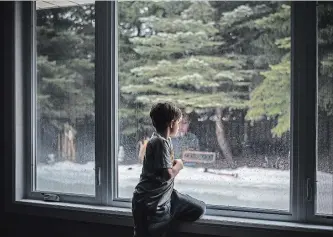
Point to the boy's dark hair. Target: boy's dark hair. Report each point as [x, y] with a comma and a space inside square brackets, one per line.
[162, 114]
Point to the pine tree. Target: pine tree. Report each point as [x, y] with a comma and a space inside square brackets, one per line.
[185, 66]
[325, 42]
[65, 64]
[65, 77]
[271, 98]
[325, 75]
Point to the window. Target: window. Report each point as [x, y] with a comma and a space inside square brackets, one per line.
[227, 64]
[65, 109]
[255, 137]
[324, 197]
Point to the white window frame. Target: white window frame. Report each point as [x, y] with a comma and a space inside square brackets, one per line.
[21, 158]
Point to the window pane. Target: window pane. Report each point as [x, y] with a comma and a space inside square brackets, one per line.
[324, 202]
[227, 63]
[65, 100]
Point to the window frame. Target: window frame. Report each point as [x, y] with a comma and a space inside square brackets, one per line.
[303, 45]
[29, 51]
[303, 88]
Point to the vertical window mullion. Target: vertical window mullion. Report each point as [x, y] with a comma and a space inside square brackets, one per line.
[106, 101]
[23, 99]
[29, 60]
[304, 77]
[313, 83]
[103, 101]
[114, 100]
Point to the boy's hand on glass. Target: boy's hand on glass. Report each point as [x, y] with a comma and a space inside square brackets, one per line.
[179, 163]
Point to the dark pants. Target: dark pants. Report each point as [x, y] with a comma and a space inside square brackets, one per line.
[156, 223]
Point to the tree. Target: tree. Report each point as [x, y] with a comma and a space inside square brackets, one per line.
[325, 58]
[271, 98]
[65, 77]
[325, 75]
[184, 66]
[65, 64]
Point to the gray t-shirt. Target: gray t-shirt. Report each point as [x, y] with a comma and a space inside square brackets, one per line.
[153, 188]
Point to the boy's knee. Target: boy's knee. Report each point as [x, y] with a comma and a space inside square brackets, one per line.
[202, 209]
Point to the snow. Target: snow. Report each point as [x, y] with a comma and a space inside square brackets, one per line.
[68, 172]
[253, 187]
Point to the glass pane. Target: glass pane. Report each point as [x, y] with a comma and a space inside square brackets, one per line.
[65, 159]
[227, 64]
[324, 200]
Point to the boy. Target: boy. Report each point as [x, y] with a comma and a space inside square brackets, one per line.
[155, 204]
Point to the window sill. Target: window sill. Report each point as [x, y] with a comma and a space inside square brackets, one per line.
[212, 225]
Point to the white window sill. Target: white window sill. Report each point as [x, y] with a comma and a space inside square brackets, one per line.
[212, 225]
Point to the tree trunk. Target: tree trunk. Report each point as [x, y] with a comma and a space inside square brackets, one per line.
[221, 137]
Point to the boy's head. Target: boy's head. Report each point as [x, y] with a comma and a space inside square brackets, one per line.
[166, 116]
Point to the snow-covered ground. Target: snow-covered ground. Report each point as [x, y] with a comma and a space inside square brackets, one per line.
[253, 187]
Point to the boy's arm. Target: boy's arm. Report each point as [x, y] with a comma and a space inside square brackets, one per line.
[163, 160]
[172, 172]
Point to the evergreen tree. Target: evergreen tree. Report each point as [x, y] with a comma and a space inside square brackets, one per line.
[271, 98]
[325, 58]
[65, 64]
[325, 78]
[213, 58]
[185, 66]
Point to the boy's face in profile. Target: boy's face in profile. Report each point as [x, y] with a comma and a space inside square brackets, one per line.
[174, 127]
[183, 126]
